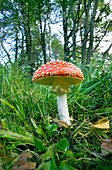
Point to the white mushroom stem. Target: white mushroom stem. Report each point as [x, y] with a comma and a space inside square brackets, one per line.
[60, 87]
[63, 108]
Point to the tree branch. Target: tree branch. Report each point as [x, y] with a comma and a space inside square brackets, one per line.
[105, 53]
[5, 51]
[101, 12]
[102, 36]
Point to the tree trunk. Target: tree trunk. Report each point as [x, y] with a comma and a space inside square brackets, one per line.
[43, 46]
[42, 32]
[28, 40]
[16, 31]
[66, 48]
[75, 20]
[43, 39]
[49, 42]
[74, 31]
[65, 30]
[87, 9]
[92, 23]
[22, 50]
[16, 39]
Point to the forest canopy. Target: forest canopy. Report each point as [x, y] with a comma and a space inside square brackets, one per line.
[28, 34]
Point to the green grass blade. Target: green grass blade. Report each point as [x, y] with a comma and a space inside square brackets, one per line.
[88, 90]
[15, 136]
[12, 107]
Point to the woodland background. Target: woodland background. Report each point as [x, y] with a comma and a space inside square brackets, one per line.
[29, 38]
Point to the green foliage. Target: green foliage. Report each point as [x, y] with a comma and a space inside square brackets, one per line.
[65, 166]
[38, 144]
[57, 48]
[48, 161]
[26, 111]
[28, 34]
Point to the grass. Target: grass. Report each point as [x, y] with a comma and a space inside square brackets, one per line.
[26, 112]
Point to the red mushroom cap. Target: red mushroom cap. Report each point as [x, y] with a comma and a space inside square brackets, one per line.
[46, 74]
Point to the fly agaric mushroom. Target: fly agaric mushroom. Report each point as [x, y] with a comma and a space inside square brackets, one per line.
[60, 75]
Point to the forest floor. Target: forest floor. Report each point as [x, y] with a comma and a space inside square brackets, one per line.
[31, 135]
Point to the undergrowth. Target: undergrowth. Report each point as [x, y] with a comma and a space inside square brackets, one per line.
[27, 114]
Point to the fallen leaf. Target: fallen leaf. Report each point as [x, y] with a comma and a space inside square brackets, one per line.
[108, 140]
[61, 123]
[101, 124]
[106, 146]
[22, 162]
[26, 166]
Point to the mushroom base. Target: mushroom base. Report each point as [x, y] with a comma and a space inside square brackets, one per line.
[61, 87]
[63, 108]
